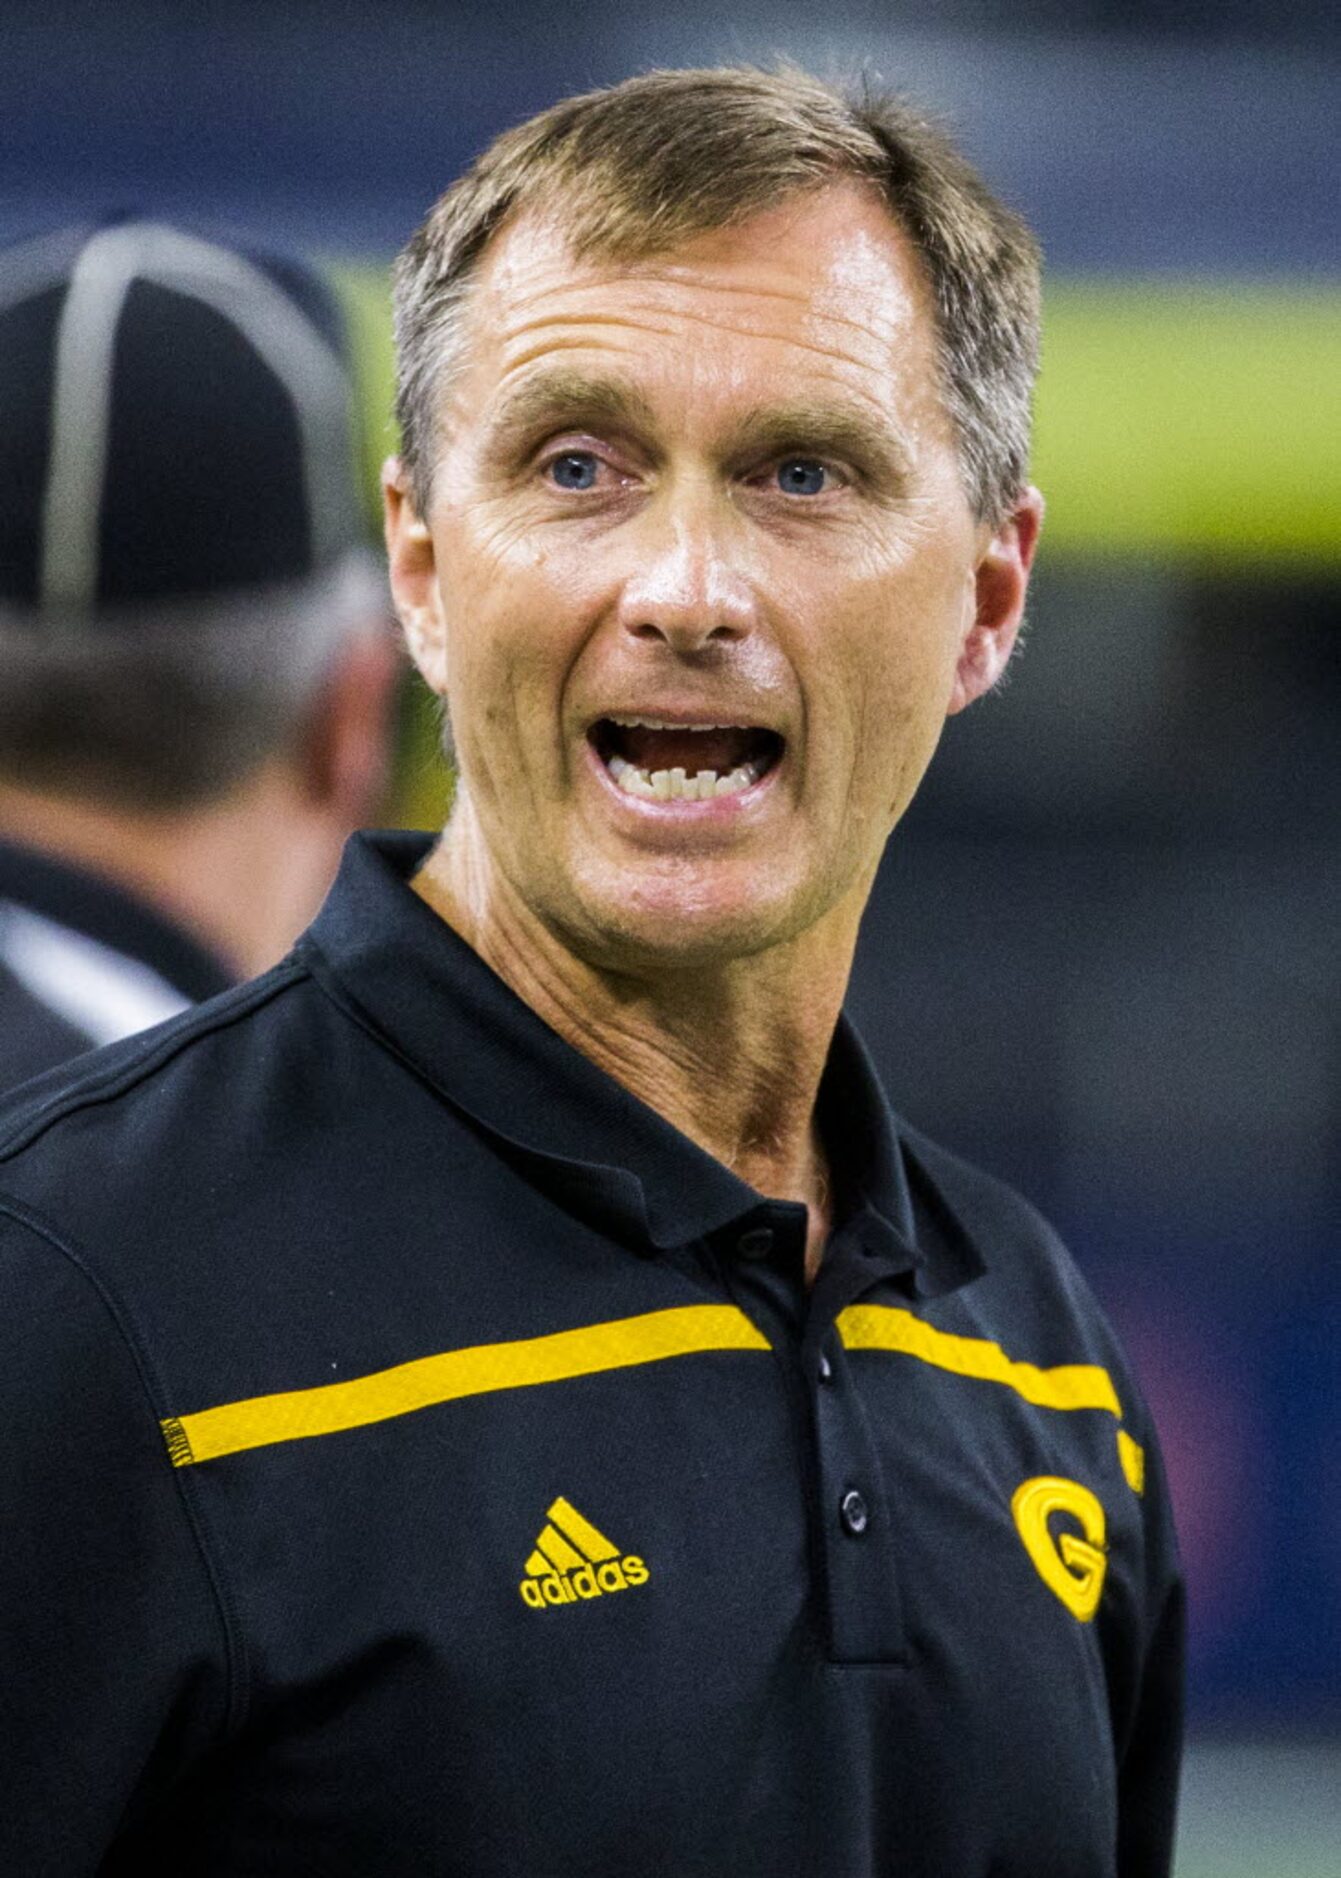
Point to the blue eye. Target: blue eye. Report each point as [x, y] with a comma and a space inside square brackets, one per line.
[575, 469]
[801, 476]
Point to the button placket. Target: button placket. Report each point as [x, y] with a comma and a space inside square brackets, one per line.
[856, 1527]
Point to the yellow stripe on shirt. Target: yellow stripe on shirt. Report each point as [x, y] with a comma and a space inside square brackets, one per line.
[297, 1414]
[887, 1327]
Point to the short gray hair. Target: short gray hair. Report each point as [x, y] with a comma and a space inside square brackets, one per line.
[169, 707]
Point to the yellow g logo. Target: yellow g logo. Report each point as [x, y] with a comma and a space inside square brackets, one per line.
[1071, 1567]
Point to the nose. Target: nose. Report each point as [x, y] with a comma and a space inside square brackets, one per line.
[687, 589]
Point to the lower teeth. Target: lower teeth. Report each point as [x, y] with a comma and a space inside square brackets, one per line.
[674, 785]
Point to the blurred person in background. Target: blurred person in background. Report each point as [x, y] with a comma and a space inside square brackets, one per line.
[502, 1393]
[195, 661]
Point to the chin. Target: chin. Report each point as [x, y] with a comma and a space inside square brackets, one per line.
[674, 926]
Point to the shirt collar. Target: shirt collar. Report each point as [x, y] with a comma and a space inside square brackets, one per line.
[574, 1130]
[88, 902]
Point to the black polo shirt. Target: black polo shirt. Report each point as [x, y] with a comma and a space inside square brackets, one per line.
[419, 1458]
[83, 962]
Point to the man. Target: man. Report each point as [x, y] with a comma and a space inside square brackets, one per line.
[521, 1403]
[194, 663]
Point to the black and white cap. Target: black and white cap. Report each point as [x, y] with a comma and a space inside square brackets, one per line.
[175, 422]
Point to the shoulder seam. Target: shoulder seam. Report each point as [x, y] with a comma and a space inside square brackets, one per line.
[235, 1656]
[101, 1085]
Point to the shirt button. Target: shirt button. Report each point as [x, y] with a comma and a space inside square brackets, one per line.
[854, 1513]
[757, 1243]
[825, 1368]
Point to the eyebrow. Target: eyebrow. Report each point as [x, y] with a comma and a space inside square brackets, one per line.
[880, 448]
[561, 399]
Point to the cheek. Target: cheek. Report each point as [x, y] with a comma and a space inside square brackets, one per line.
[893, 745]
[509, 642]
[898, 675]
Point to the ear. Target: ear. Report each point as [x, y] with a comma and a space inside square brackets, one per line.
[412, 565]
[1000, 581]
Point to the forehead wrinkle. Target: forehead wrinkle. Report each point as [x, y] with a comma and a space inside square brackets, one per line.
[612, 332]
[824, 304]
[533, 332]
[885, 322]
[612, 326]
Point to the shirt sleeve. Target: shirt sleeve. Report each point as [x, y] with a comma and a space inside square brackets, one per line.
[1151, 1756]
[113, 1677]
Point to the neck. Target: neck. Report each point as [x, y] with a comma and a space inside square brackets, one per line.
[242, 875]
[731, 1053]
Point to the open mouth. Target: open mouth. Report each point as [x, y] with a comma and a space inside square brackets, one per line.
[649, 757]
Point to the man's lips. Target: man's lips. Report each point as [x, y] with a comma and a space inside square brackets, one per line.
[673, 808]
[665, 760]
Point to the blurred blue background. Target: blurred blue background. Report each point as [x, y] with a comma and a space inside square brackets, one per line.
[1102, 955]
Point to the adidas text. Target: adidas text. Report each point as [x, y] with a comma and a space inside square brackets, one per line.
[584, 1583]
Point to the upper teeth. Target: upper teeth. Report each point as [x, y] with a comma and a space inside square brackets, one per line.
[662, 723]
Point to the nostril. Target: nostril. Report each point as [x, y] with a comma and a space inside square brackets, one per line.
[687, 634]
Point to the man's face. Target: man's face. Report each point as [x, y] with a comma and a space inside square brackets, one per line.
[700, 517]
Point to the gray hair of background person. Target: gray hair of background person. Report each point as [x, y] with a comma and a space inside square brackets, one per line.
[181, 542]
[641, 168]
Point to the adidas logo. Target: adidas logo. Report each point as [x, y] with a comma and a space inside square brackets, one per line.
[572, 1562]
